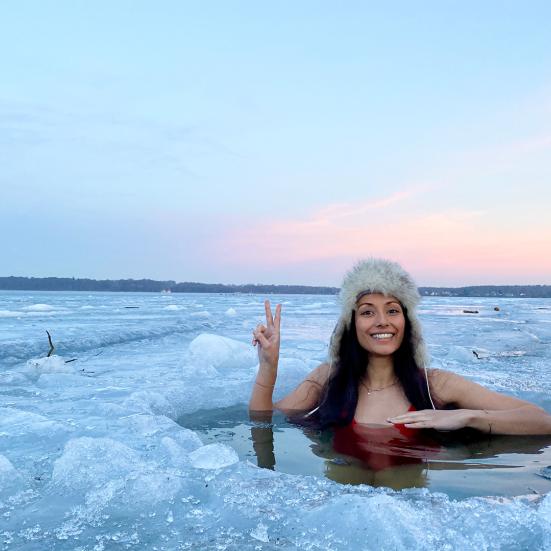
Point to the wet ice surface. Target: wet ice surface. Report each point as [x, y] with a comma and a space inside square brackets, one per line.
[92, 458]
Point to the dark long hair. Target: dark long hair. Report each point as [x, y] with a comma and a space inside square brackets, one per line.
[339, 396]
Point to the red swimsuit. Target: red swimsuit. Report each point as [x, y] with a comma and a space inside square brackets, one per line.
[380, 448]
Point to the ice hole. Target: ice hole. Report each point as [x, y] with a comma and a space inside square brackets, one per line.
[460, 465]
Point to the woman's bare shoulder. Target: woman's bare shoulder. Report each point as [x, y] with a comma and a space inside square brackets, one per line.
[440, 382]
[437, 375]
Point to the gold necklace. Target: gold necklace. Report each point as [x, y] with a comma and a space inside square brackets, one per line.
[370, 390]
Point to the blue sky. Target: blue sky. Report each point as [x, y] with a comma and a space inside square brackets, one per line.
[275, 142]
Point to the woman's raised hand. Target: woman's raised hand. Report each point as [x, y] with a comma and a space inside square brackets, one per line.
[267, 337]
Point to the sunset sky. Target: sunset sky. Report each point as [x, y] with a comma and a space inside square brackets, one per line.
[276, 142]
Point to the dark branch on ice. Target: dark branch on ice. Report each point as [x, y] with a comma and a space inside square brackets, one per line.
[52, 347]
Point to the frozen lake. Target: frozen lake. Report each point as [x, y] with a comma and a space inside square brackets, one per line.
[92, 456]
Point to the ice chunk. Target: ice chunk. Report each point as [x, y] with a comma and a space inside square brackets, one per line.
[314, 308]
[175, 453]
[91, 462]
[213, 456]
[179, 445]
[109, 474]
[53, 364]
[39, 308]
[150, 487]
[231, 312]
[291, 371]
[148, 425]
[545, 512]
[8, 314]
[150, 402]
[201, 314]
[293, 367]
[187, 439]
[13, 378]
[260, 533]
[59, 380]
[208, 351]
[8, 473]
[5, 465]
[16, 422]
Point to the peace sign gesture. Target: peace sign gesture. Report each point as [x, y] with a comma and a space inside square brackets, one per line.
[267, 337]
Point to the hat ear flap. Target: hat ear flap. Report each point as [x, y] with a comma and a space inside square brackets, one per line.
[420, 353]
[336, 337]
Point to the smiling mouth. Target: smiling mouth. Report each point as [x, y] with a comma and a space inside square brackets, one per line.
[380, 336]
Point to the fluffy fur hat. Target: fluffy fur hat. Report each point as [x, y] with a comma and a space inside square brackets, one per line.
[376, 275]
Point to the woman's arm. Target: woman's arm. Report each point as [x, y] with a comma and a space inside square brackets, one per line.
[477, 407]
[305, 396]
[267, 337]
[528, 419]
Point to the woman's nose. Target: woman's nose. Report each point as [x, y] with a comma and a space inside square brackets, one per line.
[381, 319]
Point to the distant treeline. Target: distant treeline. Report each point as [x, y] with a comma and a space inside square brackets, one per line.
[151, 286]
[526, 291]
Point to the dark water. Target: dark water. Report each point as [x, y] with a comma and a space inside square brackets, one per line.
[458, 464]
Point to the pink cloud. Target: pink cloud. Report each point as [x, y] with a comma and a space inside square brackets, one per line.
[453, 247]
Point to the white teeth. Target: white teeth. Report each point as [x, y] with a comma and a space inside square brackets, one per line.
[382, 335]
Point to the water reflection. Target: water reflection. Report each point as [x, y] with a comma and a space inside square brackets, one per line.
[262, 435]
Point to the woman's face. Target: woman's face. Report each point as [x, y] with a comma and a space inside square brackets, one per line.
[380, 324]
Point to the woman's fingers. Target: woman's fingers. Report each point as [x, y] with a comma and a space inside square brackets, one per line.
[420, 425]
[259, 335]
[269, 318]
[422, 416]
[269, 333]
[277, 319]
[407, 417]
[431, 419]
[261, 339]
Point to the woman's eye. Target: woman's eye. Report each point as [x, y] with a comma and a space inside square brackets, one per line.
[366, 313]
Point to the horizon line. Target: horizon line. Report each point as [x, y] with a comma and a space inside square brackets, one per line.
[262, 284]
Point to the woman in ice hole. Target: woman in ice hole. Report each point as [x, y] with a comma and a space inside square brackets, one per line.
[377, 371]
